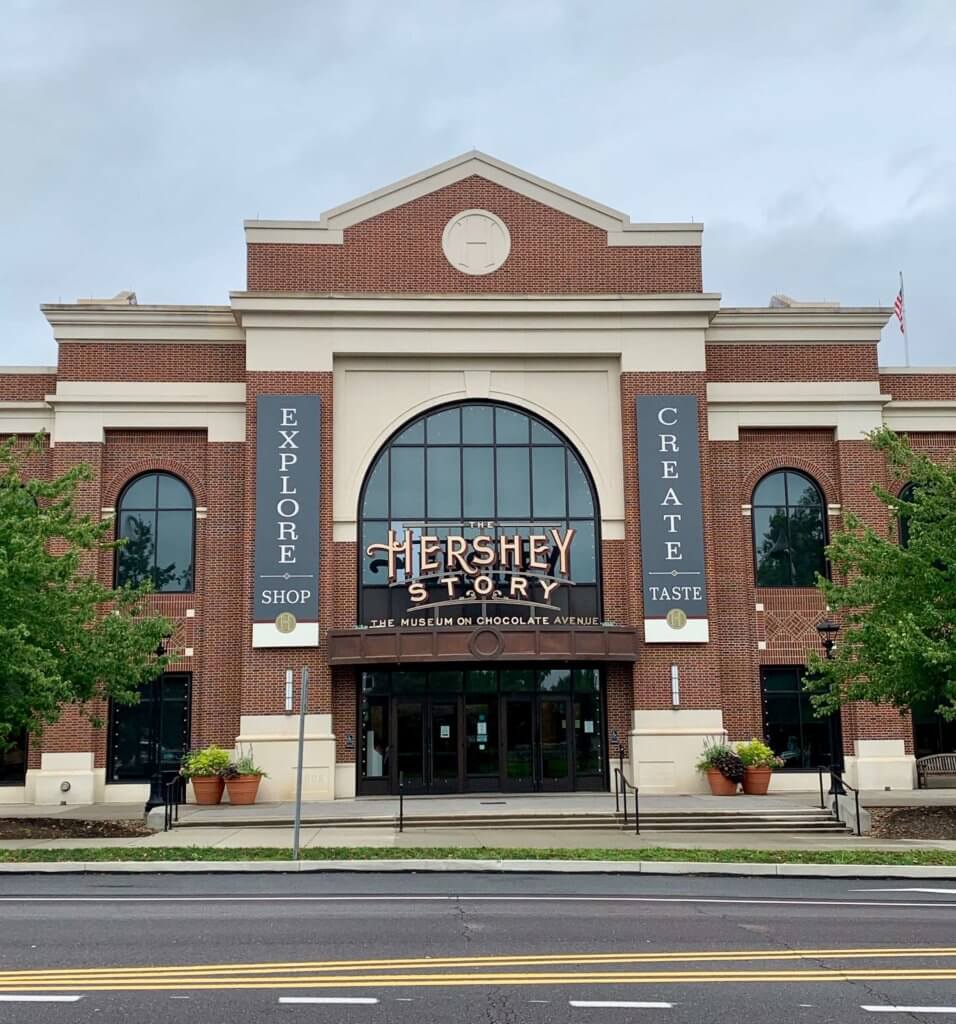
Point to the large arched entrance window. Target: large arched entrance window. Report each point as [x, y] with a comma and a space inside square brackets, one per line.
[479, 514]
[479, 469]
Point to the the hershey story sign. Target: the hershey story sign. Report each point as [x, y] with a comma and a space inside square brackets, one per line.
[672, 527]
[285, 599]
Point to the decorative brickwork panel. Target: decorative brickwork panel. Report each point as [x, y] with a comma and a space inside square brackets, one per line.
[791, 362]
[138, 361]
[400, 251]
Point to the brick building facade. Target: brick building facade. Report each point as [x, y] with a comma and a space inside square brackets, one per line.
[483, 325]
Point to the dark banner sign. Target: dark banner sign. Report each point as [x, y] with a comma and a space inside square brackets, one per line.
[285, 600]
[672, 526]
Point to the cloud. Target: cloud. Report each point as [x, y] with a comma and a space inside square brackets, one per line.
[808, 138]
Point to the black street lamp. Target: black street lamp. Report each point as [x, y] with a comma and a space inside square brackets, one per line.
[828, 630]
[156, 796]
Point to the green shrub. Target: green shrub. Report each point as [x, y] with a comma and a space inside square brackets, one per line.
[242, 766]
[211, 760]
[756, 754]
[723, 758]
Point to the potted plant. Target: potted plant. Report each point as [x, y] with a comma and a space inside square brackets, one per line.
[723, 768]
[203, 767]
[242, 778]
[759, 762]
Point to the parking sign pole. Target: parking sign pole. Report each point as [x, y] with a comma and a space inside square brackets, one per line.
[303, 707]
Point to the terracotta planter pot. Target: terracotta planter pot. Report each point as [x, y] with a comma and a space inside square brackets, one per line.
[243, 789]
[207, 788]
[719, 784]
[756, 781]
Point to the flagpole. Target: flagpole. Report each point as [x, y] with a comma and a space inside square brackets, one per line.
[903, 319]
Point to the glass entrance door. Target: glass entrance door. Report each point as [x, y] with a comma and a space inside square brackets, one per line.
[427, 745]
[518, 729]
[555, 749]
[519, 768]
[444, 747]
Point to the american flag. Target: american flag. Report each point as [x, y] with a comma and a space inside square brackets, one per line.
[898, 309]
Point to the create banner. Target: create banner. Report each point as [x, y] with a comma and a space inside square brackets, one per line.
[285, 600]
[672, 526]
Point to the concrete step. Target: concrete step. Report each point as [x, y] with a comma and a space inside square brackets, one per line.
[784, 820]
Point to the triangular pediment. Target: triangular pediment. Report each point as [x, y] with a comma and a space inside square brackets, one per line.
[467, 165]
[330, 226]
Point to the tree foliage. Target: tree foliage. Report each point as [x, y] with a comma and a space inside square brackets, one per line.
[65, 638]
[896, 602]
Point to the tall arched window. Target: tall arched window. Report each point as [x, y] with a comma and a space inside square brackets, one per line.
[156, 517]
[472, 469]
[906, 494]
[789, 530]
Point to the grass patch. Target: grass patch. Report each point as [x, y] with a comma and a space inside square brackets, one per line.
[946, 858]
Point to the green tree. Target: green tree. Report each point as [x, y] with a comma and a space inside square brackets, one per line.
[65, 638]
[896, 602]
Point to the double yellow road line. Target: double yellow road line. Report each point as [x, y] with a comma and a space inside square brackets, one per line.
[503, 970]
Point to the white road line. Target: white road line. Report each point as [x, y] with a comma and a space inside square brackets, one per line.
[770, 902]
[909, 1009]
[40, 999]
[944, 892]
[624, 1006]
[355, 1001]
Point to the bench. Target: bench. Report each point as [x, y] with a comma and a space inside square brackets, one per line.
[934, 764]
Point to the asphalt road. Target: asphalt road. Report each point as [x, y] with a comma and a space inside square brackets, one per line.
[494, 949]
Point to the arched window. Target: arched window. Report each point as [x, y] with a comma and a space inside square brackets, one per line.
[156, 517]
[479, 469]
[906, 494]
[789, 530]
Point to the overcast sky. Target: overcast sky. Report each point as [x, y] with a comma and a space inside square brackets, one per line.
[815, 140]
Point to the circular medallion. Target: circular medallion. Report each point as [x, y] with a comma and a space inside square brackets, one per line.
[285, 622]
[476, 242]
[486, 643]
[677, 618]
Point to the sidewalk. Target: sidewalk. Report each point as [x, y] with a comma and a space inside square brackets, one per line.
[475, 838]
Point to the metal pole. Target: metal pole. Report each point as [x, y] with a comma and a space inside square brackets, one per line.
[903, 327]
[820, 774]
[303, 707]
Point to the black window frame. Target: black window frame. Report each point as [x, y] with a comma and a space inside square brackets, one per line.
[831, 722]
[824, 563]
[158, 682]
[559, 442]
[8, 775]
[157, 511]
[906, 493]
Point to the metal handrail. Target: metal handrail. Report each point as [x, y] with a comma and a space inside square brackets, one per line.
[836, 792]
[622, 783]
[174, 794]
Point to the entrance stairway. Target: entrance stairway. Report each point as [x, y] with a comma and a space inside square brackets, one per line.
[776, 819]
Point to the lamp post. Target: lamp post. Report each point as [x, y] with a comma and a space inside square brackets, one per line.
[828, 630]
[156, 796]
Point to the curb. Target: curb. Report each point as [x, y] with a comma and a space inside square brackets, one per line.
[576, 867]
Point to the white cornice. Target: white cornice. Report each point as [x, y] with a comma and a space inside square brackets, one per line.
[918, 369]
[329, 228]
[511, 305]
[17, 371]
[174, 324]
[851, 408]
[807, 325]
[914, 416]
